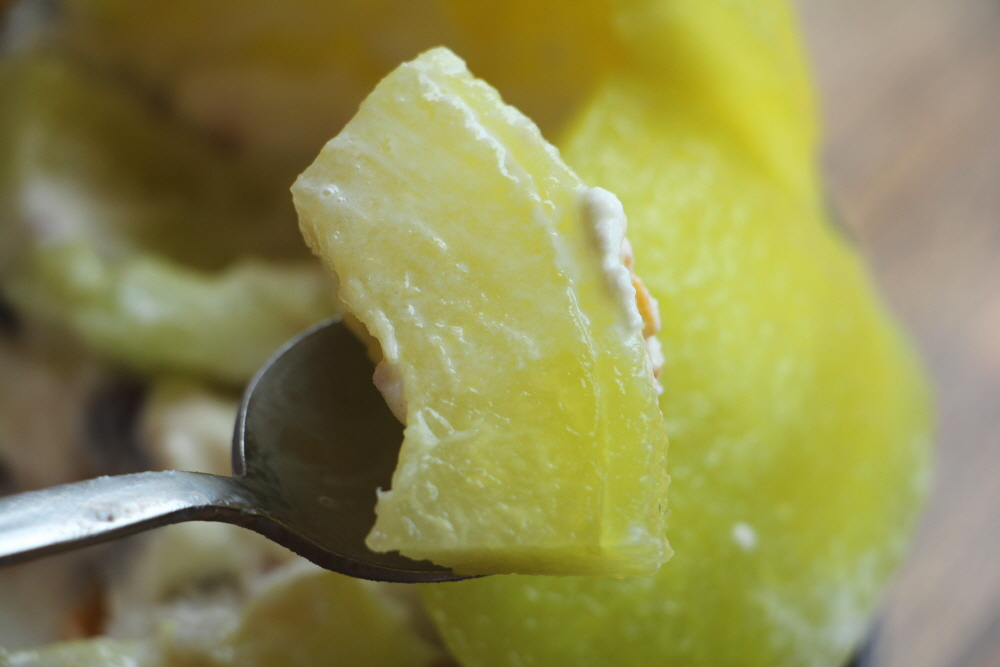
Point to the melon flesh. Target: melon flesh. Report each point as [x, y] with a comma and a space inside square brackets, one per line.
[513, 349]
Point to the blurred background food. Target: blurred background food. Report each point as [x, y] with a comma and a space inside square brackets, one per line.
[910, 94]
[909, 91]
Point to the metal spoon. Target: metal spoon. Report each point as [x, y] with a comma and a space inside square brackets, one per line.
[313, 441]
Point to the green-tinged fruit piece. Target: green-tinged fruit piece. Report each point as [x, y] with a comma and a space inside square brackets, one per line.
[136, 238]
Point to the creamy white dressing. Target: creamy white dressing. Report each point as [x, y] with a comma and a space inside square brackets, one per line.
[656, 357]
[602, 211]
[388, 379]
[744, 535]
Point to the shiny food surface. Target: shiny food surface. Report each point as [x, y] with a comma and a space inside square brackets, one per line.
[533, 439]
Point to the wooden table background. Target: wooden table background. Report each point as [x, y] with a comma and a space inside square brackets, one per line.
[911, 96]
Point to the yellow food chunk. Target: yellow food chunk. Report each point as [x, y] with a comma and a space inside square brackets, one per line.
[496, 283]
[307, 617]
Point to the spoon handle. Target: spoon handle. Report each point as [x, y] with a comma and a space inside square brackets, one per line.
[48, 521]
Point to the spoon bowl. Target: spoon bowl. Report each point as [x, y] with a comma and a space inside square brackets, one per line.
[314, 439]
[313, 442]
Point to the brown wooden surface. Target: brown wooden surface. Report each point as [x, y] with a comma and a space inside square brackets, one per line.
[911, 97]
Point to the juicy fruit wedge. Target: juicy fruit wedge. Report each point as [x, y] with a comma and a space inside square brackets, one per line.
[329, 619]
[534, 443]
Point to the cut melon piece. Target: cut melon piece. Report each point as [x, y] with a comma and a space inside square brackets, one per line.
[499, 288]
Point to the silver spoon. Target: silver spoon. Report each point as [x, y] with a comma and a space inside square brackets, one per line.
[313, 441]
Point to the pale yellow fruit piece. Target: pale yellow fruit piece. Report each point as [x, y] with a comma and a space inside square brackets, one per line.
[471, 252]
[308, 616]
